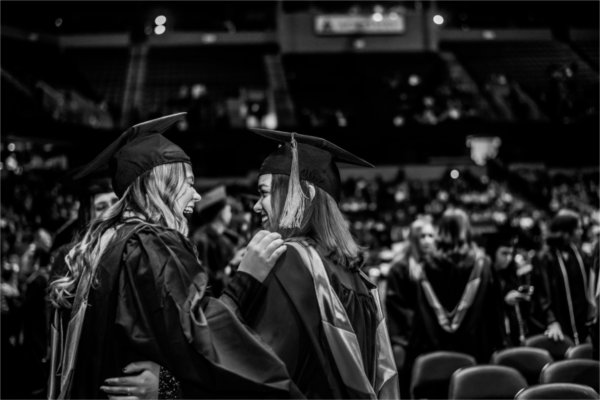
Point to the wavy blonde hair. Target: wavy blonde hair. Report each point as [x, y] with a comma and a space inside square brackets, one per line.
[151, 198]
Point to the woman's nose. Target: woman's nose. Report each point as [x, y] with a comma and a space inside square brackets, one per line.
[196, 197]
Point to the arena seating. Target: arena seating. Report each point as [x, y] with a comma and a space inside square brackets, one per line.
[431, 373]
[581, 371]
[529, 361]
[557, 349]
[527, 62]
[105, 69]
[486, 382]
[551, 391]
[223, 71]
[581, 351]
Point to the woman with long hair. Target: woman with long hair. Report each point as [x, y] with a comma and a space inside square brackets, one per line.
[320, 313]
[400, 297]
[135, 289]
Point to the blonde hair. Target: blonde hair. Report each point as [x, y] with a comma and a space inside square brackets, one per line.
[414, 236]
[322, 221]
[149, 197]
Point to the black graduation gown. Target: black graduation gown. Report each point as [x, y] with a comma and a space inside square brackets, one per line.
[215, 250]
[551, 291]
[288, 319]
[413, 322]
[148, 304]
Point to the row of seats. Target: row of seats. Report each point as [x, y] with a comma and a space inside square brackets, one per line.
[455, 375]
[567, 379]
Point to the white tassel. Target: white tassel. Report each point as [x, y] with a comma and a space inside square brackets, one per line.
[293, 209]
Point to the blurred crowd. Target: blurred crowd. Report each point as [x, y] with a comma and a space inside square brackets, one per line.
[502, 221]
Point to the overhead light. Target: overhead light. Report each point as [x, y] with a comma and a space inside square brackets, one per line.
[377, 17]
[438, 19]
[454, 174]
[160, 29]
[160, 20]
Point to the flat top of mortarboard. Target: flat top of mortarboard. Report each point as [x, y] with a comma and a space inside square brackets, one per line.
[143, 129]
[214, 196]
[337, 152]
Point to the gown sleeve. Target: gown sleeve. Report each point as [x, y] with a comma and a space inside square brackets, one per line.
[164, 314]
[400, 305]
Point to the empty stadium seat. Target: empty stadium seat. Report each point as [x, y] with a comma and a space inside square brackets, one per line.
[581, 371]
[529, 361]
[486, 382]
[557, 391]
[432, 371]
[557, 349]
[584, 350]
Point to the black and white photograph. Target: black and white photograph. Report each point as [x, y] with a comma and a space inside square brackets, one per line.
[300, 199]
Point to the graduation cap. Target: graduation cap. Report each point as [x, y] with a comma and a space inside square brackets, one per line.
[139, 149]
[308, 158]
[212, 198]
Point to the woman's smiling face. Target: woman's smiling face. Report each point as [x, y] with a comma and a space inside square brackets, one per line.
[263, 205]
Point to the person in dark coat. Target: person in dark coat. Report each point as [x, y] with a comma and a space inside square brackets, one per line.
[513, 271]
[216, 244]
[561, 277]
[136, 290]
[401, 292]
[452, 303]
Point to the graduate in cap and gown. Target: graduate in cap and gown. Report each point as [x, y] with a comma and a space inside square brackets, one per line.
[319, 312]
[215, 243]
[96, 195]
[135, 289]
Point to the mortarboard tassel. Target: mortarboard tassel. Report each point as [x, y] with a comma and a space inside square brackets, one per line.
[293, 209]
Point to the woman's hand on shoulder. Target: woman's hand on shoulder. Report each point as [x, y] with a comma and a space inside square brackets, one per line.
[262, 253]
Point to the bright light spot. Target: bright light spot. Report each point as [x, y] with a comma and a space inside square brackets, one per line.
[377, 17]
[209, 38]
[438, 19]
[58, 22]
[489, 35]
[270, 121]
[398, 120]
[359, 44]
[160, 29]
[414, 80]
[394, 16]
[160, 20]
[11, 147]
[454, 174]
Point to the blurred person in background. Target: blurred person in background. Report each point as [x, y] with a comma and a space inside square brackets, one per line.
[96, 195]
[401, 292]
[456, 301]
[216, 243]
[36, 323]
[10, 301]
[561, 273]
[513, 270]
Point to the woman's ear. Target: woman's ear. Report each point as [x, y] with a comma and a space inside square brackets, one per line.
[311, 190]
